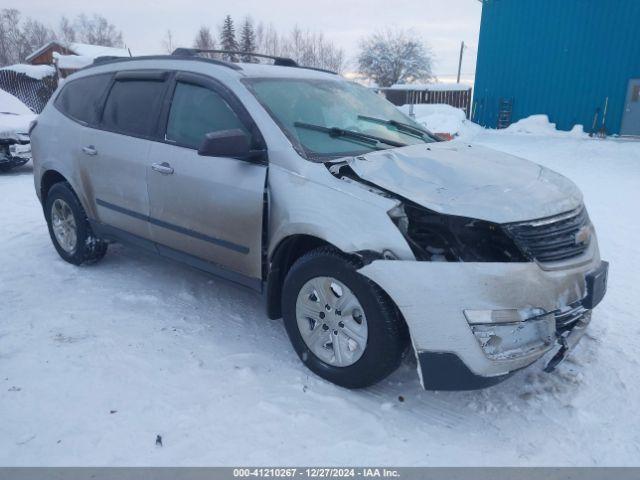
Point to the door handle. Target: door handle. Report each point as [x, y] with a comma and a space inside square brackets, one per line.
[164, 168]
[90, 150]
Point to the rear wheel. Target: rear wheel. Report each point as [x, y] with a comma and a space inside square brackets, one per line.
[341, 324]
[69, 227]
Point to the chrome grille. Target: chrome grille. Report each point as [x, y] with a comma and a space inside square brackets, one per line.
[555, 238]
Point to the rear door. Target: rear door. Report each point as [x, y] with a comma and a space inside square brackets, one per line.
[207, 211]
[117, 152]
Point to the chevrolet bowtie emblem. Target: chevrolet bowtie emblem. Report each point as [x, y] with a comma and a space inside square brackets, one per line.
[583, 235]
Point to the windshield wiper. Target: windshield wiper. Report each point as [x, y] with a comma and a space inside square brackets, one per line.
[341, 132]
[404, 127]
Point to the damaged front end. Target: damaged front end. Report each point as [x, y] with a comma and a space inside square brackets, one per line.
[14, 152]
[484, 299]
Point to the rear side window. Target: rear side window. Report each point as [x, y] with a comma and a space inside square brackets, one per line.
[81, 99]
[196, 111]
[133, 106]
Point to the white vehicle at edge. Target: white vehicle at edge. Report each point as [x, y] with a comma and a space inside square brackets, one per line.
[362, 230]
[15, 120]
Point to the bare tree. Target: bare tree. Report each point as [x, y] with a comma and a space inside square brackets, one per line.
[204, 41]
[168, 42]
[10, 36]
[19, 38]
[313, 50]
[305, 47]
[34, 36]
[66, 31]
[395, 56]
[267, 39]
[96, 30]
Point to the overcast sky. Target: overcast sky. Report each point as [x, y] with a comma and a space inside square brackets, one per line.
[441, 23]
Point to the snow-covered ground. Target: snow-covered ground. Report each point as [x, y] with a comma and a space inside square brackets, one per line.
[96, 361]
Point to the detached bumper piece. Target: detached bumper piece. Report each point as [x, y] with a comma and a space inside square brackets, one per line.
[446, 371]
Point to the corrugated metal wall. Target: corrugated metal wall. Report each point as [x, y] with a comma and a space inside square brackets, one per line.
[559, 57]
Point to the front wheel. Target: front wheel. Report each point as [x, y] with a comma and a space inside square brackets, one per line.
[341, 324]
[69, 227]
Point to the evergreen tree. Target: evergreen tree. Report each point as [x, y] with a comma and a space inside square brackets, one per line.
[228, 39]
[248, 41]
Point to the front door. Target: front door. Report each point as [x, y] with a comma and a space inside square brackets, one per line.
[207, 211]
[631, 117]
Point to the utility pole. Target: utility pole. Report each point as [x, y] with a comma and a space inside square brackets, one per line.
[460, 62]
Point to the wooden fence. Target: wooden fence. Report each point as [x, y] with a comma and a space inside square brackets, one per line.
[456, 98]
[32, 92]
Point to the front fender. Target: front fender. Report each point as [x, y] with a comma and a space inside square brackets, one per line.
[301, 206]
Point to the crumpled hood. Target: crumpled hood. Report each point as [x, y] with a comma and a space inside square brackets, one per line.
[455, 178]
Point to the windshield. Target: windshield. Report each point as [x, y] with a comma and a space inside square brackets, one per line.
[329, 119]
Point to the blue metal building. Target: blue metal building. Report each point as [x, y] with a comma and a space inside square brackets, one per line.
[563, 58]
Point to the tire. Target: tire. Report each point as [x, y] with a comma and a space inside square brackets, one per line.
[88, 248]
[386, 332]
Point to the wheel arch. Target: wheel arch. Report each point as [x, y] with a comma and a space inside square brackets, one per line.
[288, 250]
[48, 180]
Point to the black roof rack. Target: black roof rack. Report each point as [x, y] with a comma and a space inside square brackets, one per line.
[110, 59]
[192, 54]
[106, 58]
[277, 61]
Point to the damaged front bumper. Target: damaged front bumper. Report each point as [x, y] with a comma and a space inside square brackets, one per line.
[474, 324]
[14, 154]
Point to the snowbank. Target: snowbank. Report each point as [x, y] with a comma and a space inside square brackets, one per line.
[540, 125]
[15, 116]
[37, 72]
[440, 118]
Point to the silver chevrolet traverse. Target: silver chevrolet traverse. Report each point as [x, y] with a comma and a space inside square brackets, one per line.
[366, 234]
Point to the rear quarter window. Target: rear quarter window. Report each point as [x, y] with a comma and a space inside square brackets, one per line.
[81, 99]
[133, 106]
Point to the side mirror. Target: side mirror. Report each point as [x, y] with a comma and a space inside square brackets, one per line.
[226, 143]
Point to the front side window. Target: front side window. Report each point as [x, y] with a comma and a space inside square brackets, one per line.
[81, 99]
[334, 118]
[196, 111]
[133, 107]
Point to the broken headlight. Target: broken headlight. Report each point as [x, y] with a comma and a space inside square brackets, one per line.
[437, 237]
